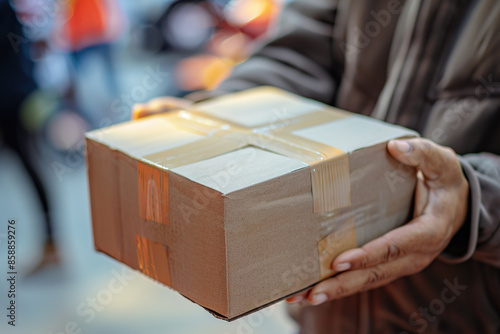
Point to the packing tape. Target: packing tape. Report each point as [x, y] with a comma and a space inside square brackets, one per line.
[152, 193]
[152, 258]
[334, 244]
[329, 165]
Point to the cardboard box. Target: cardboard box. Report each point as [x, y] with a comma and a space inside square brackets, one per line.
[246, 199]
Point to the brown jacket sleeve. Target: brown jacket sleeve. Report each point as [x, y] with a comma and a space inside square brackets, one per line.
[479, 238]
[299, 58]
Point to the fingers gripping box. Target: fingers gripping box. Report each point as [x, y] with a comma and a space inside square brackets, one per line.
[247, 198]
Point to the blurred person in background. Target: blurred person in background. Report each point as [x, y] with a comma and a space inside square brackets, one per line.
[427, 65]
[17, 83]
[85, 29]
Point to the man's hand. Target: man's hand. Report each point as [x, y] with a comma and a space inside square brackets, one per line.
[441, 201]
[159, 105]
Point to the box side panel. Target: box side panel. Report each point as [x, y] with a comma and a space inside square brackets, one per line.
[114, 203]
[185, 250]
[102, 170]
[383, 191]
[270, 241]
[198, 252]
[276, 245]
[130, 221]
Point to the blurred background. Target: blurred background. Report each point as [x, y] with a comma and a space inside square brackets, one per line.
[69, 66]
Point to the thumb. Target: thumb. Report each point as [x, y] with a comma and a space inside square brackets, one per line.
[438, 164]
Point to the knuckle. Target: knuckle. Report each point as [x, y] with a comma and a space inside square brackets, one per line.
[375, 275]
[392, 252]
[341, 291]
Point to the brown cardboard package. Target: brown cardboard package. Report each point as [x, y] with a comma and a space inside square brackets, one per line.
[246, 199]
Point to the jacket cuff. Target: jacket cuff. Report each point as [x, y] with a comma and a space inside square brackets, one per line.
[463, 245]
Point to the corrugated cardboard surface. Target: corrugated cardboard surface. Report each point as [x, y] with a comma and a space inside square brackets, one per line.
[187, 254]
[273, 236]
[238, 230]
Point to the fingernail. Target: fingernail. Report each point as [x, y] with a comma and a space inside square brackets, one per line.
[342, 267]
[402, 146]
[320, 298]
[295, 299]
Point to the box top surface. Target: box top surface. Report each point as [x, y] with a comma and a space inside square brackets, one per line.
[239, 169]
[244, 165]
[143, 137]
[352, 133]
[250, 110]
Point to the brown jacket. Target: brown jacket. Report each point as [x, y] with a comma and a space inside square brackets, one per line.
[433, 66]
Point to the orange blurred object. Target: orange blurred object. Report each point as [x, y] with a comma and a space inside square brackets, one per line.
[234, 45]
[202, 72]
[87, 20]
[249, 19]
[253, 17]
[85, 23]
